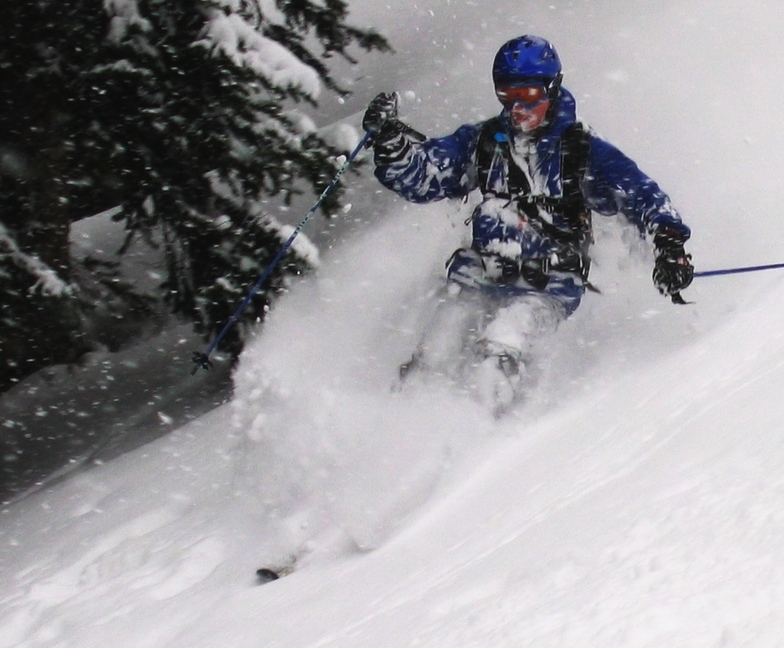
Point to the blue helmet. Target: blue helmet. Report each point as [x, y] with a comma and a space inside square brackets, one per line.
[526, 58]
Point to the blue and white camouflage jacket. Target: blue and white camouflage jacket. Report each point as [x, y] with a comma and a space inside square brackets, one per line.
[445, 167]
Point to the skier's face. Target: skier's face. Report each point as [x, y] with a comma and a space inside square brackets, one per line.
[527, 104]
[528, 119]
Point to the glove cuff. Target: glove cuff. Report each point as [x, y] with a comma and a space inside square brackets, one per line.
[668, 238]
[391, 143]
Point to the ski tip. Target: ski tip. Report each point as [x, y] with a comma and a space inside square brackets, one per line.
[269, 574]
[266, 575]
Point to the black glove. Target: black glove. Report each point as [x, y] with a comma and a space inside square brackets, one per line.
[391, 137]
[672, 270]
[380, 111]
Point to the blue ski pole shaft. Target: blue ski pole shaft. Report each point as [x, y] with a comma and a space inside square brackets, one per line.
[202, 359]
[677, 299]
[727, 271]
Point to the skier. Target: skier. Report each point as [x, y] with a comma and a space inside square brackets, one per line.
[540, 173]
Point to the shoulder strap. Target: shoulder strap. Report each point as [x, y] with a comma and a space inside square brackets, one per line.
[492, 141]
[575, 153]
[486, 148]
[575, 158]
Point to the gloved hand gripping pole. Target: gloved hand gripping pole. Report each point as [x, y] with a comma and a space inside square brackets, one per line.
[677, 299]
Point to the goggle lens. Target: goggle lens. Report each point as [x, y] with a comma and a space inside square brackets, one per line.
[529, 95]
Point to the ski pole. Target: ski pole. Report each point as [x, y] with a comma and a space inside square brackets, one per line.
[714, 273]
[677, 299]
[202, 360]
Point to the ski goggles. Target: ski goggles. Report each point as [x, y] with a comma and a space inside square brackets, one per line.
[529, 94]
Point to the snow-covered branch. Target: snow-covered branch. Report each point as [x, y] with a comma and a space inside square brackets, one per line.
[124, 14]
[48, 282]
[246, 47]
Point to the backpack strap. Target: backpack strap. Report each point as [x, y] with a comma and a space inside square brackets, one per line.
[575, 157]
[486, 149]
[493, 143]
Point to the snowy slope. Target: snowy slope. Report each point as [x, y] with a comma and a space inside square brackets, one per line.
[633, 500]
[640, 515]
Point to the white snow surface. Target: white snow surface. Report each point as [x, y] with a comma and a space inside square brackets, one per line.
[635, 498]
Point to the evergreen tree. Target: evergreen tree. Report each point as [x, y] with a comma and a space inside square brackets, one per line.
[183, 113]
